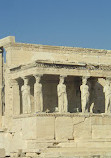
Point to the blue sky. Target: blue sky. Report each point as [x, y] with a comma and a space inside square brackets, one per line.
[78, 23]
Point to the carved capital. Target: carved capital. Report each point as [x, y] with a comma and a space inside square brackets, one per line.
[62, 78]
[38, 77]
[26, 79]
[84, 79]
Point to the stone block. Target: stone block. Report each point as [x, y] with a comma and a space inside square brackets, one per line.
[17, 125]
[78, 119]
[94, 144]
[96, 120]
[31, 154]
[107, 120]
[45, 128]
[7, 142]
[64, 128]
[101, 131]
[2, 144]
[67, 145]
[17, 144]
[2, 153]
[34, 144]
[29, 128]
[82, 129]
[7, 40]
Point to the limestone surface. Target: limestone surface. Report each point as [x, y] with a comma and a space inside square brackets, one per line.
[55, 101]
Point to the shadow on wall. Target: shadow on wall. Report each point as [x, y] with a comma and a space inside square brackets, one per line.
[49, 88]
[97, 97]
[4, 55]
[73, 93]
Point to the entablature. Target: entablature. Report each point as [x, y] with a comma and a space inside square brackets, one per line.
[59, 68]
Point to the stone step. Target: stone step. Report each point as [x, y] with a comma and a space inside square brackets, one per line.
[94, 144]
[80, 144]
[82, 153]
[77, 151]
[85, 148]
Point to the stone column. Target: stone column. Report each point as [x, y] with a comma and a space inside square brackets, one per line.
[62, 96]
[84, 95]
[26, 103]
[1, 79]
[16, 97]
[107, 91]
[38, 96]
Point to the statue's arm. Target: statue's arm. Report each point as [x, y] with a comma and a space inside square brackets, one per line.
[22, 88]
[81, 88]
[58, 91]
[104, 89]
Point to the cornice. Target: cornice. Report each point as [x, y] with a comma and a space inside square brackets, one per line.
[9, 43]
[58, 49]
[57, 65]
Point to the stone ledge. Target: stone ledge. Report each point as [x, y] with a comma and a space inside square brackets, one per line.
[58, 49]
[60, 115]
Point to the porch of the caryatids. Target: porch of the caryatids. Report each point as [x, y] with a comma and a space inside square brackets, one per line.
[62, 96]
[26, 103]
[107, 91]
[84, 88]
[38, 96]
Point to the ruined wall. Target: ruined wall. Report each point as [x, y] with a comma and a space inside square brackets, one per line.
[53, 134]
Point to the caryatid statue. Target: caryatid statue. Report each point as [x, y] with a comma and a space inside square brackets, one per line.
[62, 96]
[84, 95]
[38, 97]
[26, 97]
[107, 91]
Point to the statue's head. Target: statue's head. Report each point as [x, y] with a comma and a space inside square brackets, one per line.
[25, 80]
[61, 79]
[38, 78]
[84, 80]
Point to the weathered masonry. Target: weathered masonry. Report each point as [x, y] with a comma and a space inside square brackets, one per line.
[55, 101]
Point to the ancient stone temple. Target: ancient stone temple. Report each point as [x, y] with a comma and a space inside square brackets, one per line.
[55, 101]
